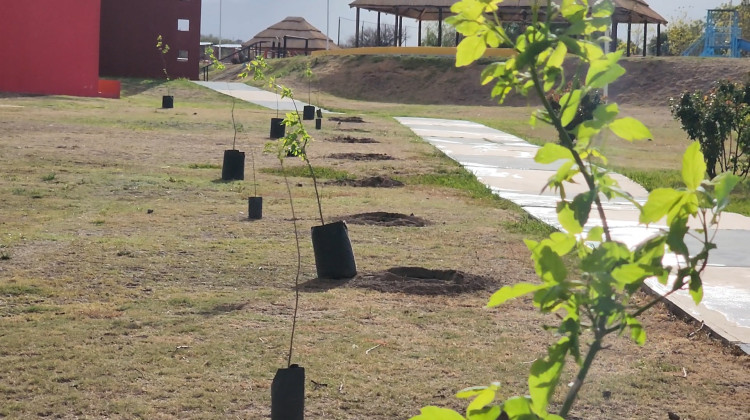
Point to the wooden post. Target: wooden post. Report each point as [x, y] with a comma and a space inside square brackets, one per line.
[645, 35]
[440, 26]
[658, 39]
[378, 32]
[395, 32]
[628, 46]
[419, 34]
[614, 37]
[400, 31]
[356, 31]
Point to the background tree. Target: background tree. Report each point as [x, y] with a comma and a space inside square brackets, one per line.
[430, 36]
[682, 32]
[368, 37]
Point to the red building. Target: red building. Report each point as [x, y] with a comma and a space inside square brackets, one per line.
[62, 47]
[128, 38]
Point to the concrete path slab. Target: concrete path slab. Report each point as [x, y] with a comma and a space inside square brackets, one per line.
[253, 95]
[505, 164]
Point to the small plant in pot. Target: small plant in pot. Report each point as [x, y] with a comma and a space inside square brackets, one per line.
[167, 101]
[334, 257]
[308, 111]
[234, 160]
[258, 66]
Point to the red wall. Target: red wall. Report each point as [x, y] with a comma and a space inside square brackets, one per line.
[50, 46]
[129, 32]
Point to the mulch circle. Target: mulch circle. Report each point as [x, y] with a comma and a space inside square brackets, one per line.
[371, 182]
[347, 119]
[361, 156]
[350, 139]
[381, 218]
[423, 281]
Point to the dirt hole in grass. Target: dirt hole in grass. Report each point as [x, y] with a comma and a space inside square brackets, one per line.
[371, 182]
[423, 281]
[361, 156]
[358, 120]
[381, 218]
[350, 139]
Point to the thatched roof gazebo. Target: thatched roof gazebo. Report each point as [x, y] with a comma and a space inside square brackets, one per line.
[293, 35]
[626, 11]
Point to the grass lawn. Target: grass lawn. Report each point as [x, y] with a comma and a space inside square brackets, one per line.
[132, 284]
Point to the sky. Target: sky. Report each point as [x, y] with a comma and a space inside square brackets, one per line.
[242, 19]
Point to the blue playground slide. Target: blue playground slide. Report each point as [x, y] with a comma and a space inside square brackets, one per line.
[743, 44]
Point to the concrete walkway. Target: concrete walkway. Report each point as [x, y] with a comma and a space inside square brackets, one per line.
[253, 95]
[506, 164]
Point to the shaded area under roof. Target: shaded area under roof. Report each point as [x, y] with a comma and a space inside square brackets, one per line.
[634, 11]
[293, 27]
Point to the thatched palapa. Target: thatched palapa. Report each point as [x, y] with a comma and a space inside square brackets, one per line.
[297, 31]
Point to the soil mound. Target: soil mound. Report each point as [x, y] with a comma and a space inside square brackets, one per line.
[381, 218]
[358, 120]
[350, 139]
[423, 281]
[361, 156]
[371, 182]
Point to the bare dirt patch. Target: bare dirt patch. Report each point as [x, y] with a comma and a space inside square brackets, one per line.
[361, 156]
[350, 139]
[371, 182]
[381, 218]
[354, 119]
[423, 281]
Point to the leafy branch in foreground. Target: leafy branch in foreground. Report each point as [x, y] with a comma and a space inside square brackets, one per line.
[597, 302]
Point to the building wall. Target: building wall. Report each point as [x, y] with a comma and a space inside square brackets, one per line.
[53, 45]
[128, 38]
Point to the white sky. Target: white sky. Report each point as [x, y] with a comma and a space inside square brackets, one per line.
[242, 19]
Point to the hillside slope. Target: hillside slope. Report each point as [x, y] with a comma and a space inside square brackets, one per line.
[649, 81]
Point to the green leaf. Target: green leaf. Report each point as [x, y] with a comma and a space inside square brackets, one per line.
[545, 374]
[552, 152]
[507, 293]
[660, 202]
[606, 113]
[676, 236]
[696, 287]
[637, 333]
[485, 398]
[488, 413]
[604, 70]
[470, 392]
[570, 103]
[566, 215]
[693, 167]
[437, 413]
[724, 183]
[570, 8]
[595, 234]
[517, 408]
[470, 50]
[630, 129]
[557, 57]
[628, 274]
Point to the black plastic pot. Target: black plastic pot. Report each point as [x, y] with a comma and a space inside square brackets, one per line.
[308, 112]
[255, 208]
[288, 394]
[334, 258]
[167, 102]
[234, 165]
[277, 128]
[318, 123]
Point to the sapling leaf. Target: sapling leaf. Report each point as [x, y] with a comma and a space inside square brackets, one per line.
[660, 202]
[630, 129]
[552, 152]
[487, 413]
[483, 399]
[724, 183]
[693, 167]
[570, 103]
[567, 218]
[507, 293]
[470, 392]
[696, 287]
[518, 408]
[469, 50]
[544, 375]
[437, 413]
[637, 333]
